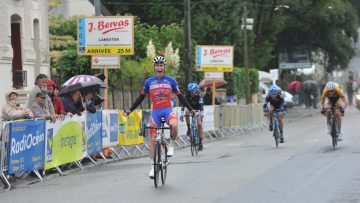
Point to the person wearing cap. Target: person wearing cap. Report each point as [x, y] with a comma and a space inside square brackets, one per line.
[52, 91]
[41, 86]
[39, 107]
[13, 110]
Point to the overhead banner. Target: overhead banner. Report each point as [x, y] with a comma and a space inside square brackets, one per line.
[65, 141]
[214, 58]
[102, 62]
[27, 143]
[129, 128]
[94, 132]
[110, 128]
[105, 35]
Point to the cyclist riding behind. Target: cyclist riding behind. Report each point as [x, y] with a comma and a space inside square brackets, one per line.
[160, 87]
[194, 98]
[333, 95]
[275, 101]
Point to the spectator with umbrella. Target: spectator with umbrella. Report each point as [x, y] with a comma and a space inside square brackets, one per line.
[294, 87]
[72, 99]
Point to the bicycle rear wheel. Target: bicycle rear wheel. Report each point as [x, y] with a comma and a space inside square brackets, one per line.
[164, 163]
[157, 163]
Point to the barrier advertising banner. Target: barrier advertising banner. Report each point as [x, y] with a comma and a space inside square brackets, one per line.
[94, 132]
[208, 120]
[65, 141]
[129, 129]
[110, 128]
[27, 143]
[106, 35]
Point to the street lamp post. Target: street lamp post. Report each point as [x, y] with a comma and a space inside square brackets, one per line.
[246, 22]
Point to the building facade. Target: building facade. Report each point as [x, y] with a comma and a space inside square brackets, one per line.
[24, 44]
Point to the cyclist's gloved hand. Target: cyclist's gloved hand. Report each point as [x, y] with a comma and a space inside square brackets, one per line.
[193, 112]
[264, 107]
[323, 111]
[182, 116]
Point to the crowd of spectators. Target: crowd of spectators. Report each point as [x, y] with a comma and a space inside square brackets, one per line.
[45, 103]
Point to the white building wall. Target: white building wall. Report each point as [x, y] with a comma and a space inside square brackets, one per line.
[69, 8]
[28, 10]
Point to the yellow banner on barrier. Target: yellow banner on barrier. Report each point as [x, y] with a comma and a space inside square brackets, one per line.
[129, 128]
[65, 142]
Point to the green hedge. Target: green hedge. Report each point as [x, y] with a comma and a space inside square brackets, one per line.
[236, 82]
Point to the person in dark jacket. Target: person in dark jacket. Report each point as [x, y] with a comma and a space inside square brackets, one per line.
[208, 98]
[91, 100]
[73, 102]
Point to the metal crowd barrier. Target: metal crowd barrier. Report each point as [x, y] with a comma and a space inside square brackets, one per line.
[228, 120]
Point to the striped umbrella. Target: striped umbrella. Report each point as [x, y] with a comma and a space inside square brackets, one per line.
[81, 82]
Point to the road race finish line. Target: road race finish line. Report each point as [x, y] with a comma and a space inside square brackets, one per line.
[129, 129]
[109, 50]
[27, 143]
[65, 141]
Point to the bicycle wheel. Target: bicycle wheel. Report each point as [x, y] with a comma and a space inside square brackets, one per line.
[192, 144]
[333, 132]
[276, 134]
[196, 141]
[157, 159]
[164, 163]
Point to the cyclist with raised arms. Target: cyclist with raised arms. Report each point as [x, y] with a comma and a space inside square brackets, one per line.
[160, 87]
[275, 101]
[194, 98]
[332, 95]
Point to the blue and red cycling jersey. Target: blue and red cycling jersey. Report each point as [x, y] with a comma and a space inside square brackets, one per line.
[160, 90]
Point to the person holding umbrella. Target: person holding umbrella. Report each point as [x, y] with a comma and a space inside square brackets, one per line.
[160, 87]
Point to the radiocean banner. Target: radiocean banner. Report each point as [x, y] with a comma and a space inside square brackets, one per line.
[27, 142]
[129, 128]
[94, 132]
[65, 141]
[110, 128]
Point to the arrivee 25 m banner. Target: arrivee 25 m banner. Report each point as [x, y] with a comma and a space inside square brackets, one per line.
[105, 35]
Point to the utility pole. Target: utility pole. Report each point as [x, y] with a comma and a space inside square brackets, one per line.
[188, 50]
[97, 5]
[247, 92]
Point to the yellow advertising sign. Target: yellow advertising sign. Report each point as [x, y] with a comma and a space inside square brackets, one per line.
[109, 50]
[215, 68]
[129, 128]
[65, 143]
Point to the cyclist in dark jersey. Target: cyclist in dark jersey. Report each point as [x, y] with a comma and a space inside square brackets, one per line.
[274, 101]
[195, 100]
[160, 87]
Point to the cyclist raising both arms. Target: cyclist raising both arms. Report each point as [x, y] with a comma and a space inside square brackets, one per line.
[332, 95]
[160, 87]
[194, 98]
[275, 101]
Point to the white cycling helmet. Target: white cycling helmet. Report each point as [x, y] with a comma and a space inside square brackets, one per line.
[159, 59]
[330, 85]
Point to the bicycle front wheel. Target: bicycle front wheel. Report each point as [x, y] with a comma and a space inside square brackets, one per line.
[334, 133]
[164, 162]
[157, 163]
[276, 137]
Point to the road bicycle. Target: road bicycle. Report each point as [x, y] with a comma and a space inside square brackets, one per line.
[160, 159]
[194, 136]
[275, 124]
[333, 127]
